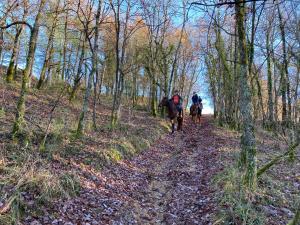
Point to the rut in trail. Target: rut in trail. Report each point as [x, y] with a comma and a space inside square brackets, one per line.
[170, 183]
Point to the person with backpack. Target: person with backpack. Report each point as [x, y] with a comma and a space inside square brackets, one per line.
[177, 100]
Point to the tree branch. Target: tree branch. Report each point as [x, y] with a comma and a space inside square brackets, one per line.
[225, 3]
[16, 23]
[276, 159]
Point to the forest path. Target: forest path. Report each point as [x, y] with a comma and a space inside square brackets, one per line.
[170, 183]
[178, 191]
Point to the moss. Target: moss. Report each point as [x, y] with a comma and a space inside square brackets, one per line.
[126, 148]
[139, 143]
[79, 130]
[2, 113]
[10, 72]
[115, 155]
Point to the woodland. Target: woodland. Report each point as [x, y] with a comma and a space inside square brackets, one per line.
[84, 141]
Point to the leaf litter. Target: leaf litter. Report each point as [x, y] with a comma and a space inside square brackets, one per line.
[170, 183]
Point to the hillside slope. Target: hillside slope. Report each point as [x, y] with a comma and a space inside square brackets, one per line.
[135, 174]
[30, 178]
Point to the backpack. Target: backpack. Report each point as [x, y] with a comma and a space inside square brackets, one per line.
[176, 99]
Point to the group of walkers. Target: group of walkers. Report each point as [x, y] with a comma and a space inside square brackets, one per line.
[196, 101]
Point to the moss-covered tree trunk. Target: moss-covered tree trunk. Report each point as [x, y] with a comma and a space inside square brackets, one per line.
[270, 82]
[121, 41]
[248, 151]
[283, 75]
[116, 95]
[19, 118]
[78, 75]
[63, 71]
[12, 62]
[226, 81]
[134, 91]
[153, 97]
[297, 106]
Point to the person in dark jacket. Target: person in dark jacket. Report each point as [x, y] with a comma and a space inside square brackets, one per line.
[196, 100]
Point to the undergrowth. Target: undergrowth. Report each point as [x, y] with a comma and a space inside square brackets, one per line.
[28, 182]
[238, 206]
[31, 179]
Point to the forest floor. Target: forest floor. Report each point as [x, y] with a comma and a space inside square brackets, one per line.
[181, 179]
[135, 174]
[169, 183]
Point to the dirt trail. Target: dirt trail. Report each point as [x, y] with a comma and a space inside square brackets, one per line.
[168, 184]
[179, 191]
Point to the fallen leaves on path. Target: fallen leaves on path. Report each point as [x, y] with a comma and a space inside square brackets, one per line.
[170, 183]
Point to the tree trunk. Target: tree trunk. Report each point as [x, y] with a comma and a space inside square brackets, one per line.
[118, 77]
[270, 82]
[49, 49]
[283, 70]
[19, 119]
[16, 61]
[1, 41]
[153, 97]
[134, 92]
[296, 106]
[248, 153]
[78, 76]
[11, 67]
[94, 50]
[65, 43]
[260, 98]
[174, 63]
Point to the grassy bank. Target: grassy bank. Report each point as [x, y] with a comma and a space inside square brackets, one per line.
[274, 201]
[30, 179]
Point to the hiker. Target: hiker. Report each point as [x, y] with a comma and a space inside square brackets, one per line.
[177, 100]
[196, 100]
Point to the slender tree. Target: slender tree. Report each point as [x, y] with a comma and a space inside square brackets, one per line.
[19, 119]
